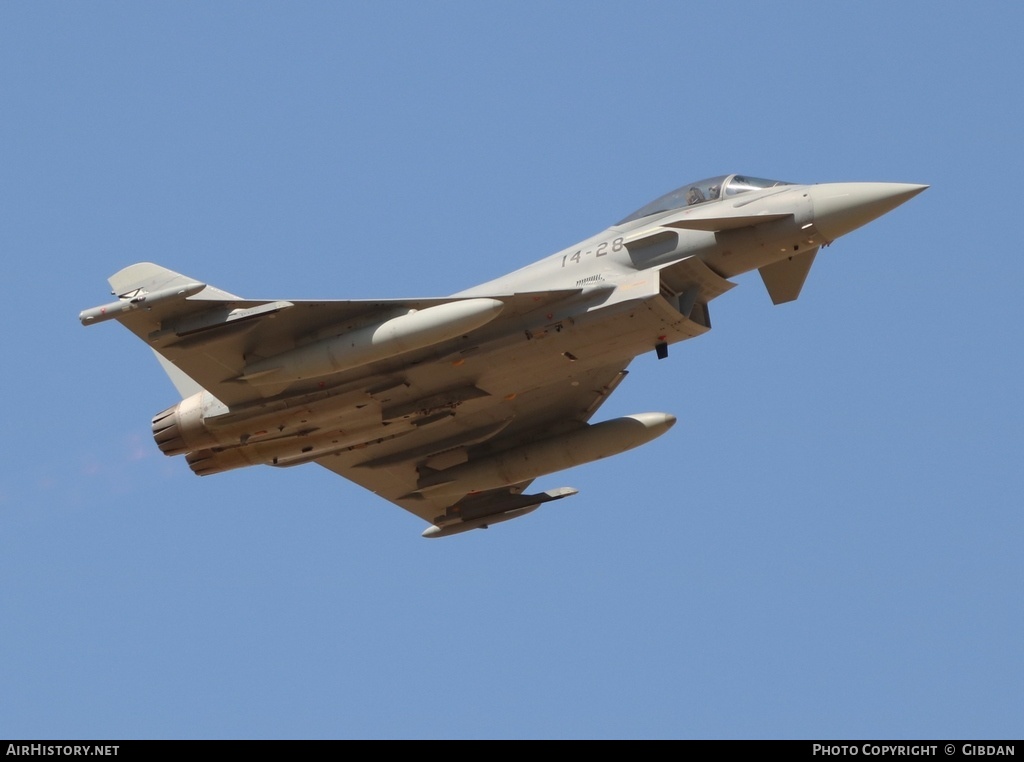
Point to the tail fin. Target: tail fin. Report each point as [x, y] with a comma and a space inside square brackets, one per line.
[183, 382]
[147, 277]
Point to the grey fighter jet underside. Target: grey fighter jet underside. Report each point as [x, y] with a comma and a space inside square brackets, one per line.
[450, 407]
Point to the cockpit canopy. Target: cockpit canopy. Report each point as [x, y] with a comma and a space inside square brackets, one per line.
[702, 192]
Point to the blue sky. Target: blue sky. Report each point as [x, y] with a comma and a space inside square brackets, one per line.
[826, 545]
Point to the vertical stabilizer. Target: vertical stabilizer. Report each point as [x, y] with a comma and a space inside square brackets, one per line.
[145, 276]
[183, 383]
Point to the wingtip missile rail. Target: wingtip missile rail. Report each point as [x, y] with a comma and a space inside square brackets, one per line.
[464, 516]
[145, 300]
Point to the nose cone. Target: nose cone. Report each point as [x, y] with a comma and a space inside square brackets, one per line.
[842, 207]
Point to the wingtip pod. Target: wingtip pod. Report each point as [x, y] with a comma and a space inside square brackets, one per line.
[435, 532]
[143, 285]
[467, 518]
[147, 299]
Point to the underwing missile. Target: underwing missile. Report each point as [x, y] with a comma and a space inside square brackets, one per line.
[406, 333]
[590, 443]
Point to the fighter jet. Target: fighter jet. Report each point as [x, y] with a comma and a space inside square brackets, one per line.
[451, 407]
